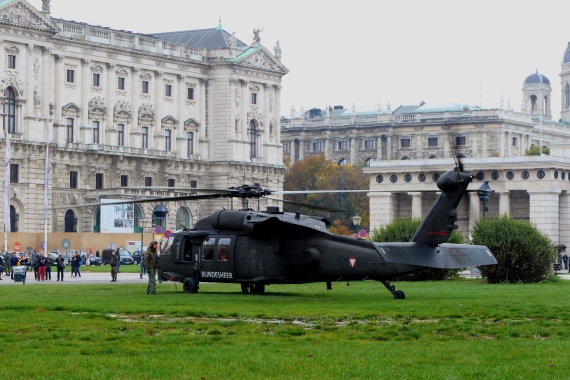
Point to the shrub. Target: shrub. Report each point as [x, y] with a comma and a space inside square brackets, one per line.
[523, 252]
[402, 230]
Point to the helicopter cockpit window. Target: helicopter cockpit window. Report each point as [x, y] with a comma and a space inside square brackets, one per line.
[208, 251]
[167, 248]
[224, 249]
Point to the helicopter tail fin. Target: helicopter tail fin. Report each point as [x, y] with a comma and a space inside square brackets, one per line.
[440, 220]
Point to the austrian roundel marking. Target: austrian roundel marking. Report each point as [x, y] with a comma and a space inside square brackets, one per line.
[352, 261]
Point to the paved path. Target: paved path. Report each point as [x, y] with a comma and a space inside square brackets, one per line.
[86, 278]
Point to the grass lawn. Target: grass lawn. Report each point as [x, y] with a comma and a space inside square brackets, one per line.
[461, 329]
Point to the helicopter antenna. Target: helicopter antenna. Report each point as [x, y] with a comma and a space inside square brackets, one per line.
[456, 159]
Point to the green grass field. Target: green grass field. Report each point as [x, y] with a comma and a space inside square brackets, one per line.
[462, 329]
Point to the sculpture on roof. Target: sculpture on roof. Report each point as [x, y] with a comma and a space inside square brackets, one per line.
[502, 103]
[292, 112]
[302, 112]
[379, 107]
[256, 38]
[388, 106]
[327, 111]
[45, 5]
[353, 109]
[508, 104]
[523, 106]
[277, 50]
[232, 41]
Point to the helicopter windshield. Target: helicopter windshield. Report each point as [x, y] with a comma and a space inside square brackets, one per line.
[168, 246]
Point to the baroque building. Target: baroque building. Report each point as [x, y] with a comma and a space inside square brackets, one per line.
[132, 115]
[407, 148]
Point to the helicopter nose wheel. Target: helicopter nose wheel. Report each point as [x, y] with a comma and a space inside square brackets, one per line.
[252, 287]
[398, 294]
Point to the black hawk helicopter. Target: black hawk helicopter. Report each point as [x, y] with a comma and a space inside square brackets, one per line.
[259, 248]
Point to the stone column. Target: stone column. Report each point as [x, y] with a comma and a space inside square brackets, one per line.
[474, 145]
[105, 133]
[58, 123]
[302, 147]
[509, 143]
[204, 145]
[85, 83]
[545, 211]
[130, 136]
[446, 147]
[564, 224]
[244, 119]
[474, 210]
[29, 81]
[182, 97]
[382, 209]
[46, 55]
[485, 146]
[389, 147]
[267, 119]
[278, 122]
[158, 100]
[292, 151]
[417, 211]
[501, 143]
[504, 203]
[233, 113]
[379, 148]
[354, 151]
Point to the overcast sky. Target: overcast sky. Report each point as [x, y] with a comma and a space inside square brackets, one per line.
[363, 52]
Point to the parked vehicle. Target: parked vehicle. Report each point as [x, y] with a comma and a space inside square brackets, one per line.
[96, 260]
[126, 258]
[136, 257]
[106, 256]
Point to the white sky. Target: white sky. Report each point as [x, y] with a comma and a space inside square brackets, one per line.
[369, 51]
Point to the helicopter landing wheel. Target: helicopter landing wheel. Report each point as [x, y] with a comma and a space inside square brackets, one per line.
[398, 294]
[191, 285]
[244, 287]
[257, 288]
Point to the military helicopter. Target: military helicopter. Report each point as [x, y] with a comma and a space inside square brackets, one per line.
[259, 248]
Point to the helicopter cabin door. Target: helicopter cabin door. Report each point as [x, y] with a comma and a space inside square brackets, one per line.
[217, 259]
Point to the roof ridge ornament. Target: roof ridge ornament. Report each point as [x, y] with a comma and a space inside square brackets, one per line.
[256, 38]
[219, 23]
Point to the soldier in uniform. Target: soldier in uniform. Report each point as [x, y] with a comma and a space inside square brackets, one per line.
[151, 264]
[114, 269]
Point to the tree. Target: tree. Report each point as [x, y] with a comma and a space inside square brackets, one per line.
[402, 230]
[339, 229]
[523, 252]
[535, 151]
[318, 173]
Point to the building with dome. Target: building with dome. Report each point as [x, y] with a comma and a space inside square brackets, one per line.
[131, 116]
[407, 147]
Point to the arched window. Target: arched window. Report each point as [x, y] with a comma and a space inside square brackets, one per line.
[567, 92]
[10, 110]
[342, 162]
[254, 139]
[432, 157]
[368, 161]
[70, 221]
[97, 220]
[156, 222]
[182, 219]
[14, 219]
[533, 105]
[405, 158]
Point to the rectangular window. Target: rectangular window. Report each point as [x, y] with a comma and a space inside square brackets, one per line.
[285, 148]
[70, 74]
[148, 181]
[317, 146]
[515, 141]
[98, 181]
[168, 90]
[121, 135]
[224, 249]
[190, 94]
[144, 137]
[171, 182]
[253, 98]
[167, 139]
[73, 180]
[404, 143]
[96, 79]
[124, 180]
[145, 87]
[208, 249]
[11, 61]
[69, 130]
[343, 145]
[95, 132]
[14, 173]
[120, 83]
[460, 140]
[369, 144]
[193, 184]
[433, 141]
[190, 143]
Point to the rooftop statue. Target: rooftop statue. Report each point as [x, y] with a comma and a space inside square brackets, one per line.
[277, 50]
[256, 38]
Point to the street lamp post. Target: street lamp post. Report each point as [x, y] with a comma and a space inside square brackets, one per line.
[160, 212]
[356, 221]
[484, 192]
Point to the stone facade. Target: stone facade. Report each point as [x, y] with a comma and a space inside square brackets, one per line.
[127, 111]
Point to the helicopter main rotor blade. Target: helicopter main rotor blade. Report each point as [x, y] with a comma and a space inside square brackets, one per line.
[292, 192]
[321, 208]
[147, 200]
[179, 189]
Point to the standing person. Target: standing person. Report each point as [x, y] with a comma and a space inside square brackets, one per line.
[35, 265]
[60, 264]
[143, 268]
[114, 270]
[151, 263]
[7, 265]
[49, 263]
[13, 263]
[97, 253]
[1, 267]
[41, 267]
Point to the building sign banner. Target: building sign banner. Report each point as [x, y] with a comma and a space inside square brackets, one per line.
[117, 218]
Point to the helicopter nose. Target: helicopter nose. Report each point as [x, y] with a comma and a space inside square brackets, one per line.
[446, 183]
